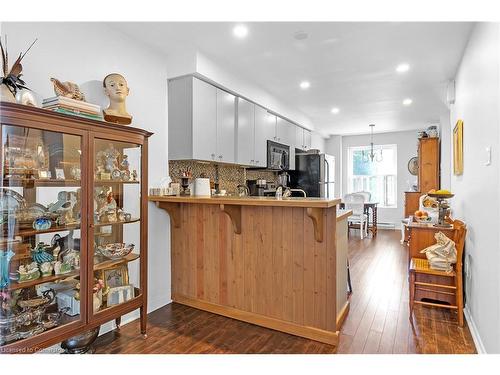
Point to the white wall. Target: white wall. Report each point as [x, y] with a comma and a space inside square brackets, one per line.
[406, 149]
[477, 194]
[318, 142]
[445, 149]
[84, 53]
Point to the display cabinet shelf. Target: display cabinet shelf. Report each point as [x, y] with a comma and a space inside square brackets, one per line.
[134, 220]
[115, 262]
[34, 183]
[34, 143]
[114, 182]
[34, 232]
[41, 280]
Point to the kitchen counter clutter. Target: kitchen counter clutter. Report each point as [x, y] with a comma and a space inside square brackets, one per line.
[274, 263]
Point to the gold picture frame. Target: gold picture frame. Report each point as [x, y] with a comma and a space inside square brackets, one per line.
[458, 148]
[116, 276]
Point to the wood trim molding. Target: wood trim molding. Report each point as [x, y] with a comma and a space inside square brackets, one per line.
[342, 315]
[173, 210]
[317, 217]
[327, 337]
[234, 212]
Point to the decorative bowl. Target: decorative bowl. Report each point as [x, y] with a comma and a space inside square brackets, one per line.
[116, 250]
[425, 219]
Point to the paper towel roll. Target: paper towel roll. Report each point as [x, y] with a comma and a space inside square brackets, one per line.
[202, 187]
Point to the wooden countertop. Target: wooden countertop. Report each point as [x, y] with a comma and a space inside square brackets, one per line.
[251, 201]
[343, 214]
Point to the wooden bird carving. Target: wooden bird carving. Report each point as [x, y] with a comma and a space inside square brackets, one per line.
[67, 89]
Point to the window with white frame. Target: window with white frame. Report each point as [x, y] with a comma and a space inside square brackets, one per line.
[379, 177]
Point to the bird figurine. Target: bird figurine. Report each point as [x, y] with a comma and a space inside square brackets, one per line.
[67, 89]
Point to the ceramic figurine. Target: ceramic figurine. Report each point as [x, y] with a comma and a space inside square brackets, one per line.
[67, 89]
[46, 268]
[28, 272]
[40, 255]
[61, 268]
[125, 175]
[42, 223]
[111, 158]
[134, 175]
[127, 217]
[125, 163]
[116, 88]
[120, 215]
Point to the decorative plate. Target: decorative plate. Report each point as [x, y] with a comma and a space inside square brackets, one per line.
[413, 166]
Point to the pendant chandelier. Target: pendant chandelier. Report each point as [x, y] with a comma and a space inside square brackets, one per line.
[372, 156]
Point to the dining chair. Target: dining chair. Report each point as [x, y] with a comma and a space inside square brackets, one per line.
[356, 203]
[366, 194]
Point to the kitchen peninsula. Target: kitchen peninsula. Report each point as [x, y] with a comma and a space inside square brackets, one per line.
[280, 264]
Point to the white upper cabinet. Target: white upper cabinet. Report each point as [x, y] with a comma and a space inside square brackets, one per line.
[204, 126]
[302, 138]
[201, 121]
[207, 123]
[226, 117]
[245, 133]
[265, 129]
[307, 139]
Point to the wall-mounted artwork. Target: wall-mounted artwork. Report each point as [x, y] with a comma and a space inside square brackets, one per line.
[458, 148]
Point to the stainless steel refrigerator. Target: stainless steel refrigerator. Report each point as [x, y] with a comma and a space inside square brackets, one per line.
[315, 174]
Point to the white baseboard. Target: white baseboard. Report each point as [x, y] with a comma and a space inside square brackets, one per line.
[474, 331]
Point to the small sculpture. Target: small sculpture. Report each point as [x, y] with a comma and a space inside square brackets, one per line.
[28, 272]
[61, 268]
[40, 255]
[134, 175]
[67, 89]
[46, 268]
[116, 88]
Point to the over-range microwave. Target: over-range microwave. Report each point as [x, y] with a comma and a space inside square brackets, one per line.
[278, 156]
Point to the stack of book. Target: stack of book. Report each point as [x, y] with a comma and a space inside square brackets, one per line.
[69, 106]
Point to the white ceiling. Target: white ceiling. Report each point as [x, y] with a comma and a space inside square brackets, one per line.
[350, 66]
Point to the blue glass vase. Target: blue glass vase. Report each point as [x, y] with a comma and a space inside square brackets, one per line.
[5, 257]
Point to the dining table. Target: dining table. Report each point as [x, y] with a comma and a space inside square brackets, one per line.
[370, 209]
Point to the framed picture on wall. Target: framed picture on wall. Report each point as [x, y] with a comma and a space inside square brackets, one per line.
[458, 148]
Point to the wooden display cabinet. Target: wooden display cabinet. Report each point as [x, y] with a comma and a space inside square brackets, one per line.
[101, 201]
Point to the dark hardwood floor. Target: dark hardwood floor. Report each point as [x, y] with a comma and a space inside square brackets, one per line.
[377, 322]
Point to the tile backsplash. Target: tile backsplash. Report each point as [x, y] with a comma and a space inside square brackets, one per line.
[230, 176]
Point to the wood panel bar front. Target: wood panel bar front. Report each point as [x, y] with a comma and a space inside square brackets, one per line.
[279, 271]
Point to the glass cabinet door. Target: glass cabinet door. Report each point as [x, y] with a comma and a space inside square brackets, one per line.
[41, 245]
[116, 224]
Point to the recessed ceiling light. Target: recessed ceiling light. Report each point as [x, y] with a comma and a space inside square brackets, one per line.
[304, 85]
[300, 35]
[402, 68]
[240, 31]
[335, 110]
[407, 101]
